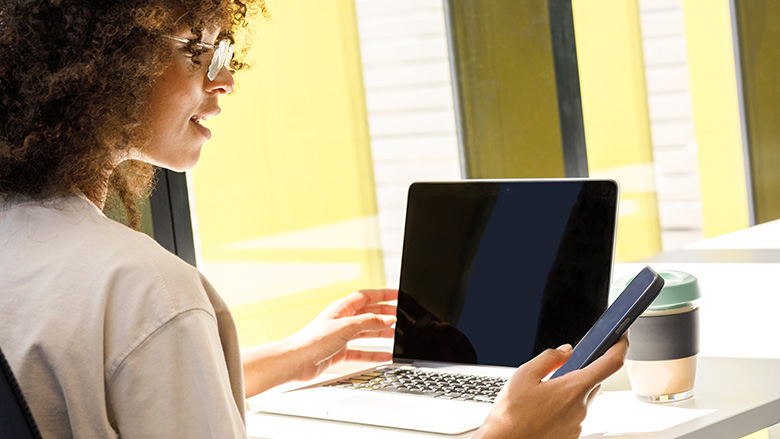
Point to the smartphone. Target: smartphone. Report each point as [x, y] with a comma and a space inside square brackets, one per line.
[608, 329]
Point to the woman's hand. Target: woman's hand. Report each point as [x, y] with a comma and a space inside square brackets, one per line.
[323, 342]
[528, 407]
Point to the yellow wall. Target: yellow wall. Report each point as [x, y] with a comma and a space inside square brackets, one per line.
[716, 115]
[615, 114]
[763, 434]
[284, 194]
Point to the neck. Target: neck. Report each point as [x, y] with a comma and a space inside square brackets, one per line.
[97, 195]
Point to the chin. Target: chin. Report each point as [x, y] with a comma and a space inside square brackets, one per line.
[181, 167]
[181, 164]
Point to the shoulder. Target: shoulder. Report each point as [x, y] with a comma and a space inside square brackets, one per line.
[136, 263]
[66, 269]
[150, 292]
[139, 285]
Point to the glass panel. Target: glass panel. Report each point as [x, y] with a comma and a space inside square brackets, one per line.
[615, 113]
[760, 62]
[283, 199]
[410, 107]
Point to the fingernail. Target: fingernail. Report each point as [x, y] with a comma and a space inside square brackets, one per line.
[564, 347]
[389, 320]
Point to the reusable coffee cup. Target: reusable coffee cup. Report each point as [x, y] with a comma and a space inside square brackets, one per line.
[664, 340]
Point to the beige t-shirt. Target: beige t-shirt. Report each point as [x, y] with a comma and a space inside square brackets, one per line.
[110, 335]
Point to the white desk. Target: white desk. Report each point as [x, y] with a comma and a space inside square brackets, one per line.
[734, 397]
[739, 276]
[738, 381]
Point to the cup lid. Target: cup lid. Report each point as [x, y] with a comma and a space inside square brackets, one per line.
[679, 288]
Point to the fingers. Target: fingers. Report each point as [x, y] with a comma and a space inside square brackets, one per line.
[606, 365]
[380, 309]
[385, 333]
[366, 297]
[357, 301]
[368, 356]
[548, 361]
[355, 326]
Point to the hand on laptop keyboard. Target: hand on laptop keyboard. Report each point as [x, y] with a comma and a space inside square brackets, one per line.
[528, 407]
[323, 342]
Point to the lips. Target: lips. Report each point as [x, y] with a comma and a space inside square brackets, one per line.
[200, 117]
[205, 132]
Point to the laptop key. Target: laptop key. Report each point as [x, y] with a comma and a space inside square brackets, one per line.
[427, 383]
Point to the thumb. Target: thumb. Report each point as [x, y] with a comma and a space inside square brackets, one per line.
[548, 361]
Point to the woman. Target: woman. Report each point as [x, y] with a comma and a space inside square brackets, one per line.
[109, 335]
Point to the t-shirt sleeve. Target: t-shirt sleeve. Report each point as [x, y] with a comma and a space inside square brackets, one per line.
[175, 384]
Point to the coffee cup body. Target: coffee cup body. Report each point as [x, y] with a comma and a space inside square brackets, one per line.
[664, 341]
[661, 361]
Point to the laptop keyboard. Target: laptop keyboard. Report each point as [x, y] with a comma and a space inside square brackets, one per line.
[453, 386]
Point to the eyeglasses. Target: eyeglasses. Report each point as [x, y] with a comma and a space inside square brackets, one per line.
[223, 53]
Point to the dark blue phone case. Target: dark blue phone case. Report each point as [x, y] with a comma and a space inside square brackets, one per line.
[631, 303]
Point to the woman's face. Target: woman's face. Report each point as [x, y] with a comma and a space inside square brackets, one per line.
[180, 100]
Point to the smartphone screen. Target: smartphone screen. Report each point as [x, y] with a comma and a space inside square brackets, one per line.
[608, 329]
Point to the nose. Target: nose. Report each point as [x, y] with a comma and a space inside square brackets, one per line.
[223, 83]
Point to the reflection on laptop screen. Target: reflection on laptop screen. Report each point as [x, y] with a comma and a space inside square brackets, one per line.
[495, 272]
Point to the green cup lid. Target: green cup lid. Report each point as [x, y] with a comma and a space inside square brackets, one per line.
[679, 288]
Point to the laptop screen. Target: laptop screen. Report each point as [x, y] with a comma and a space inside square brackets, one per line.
[495, 272]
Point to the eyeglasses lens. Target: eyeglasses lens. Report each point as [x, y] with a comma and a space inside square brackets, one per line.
[222, 57]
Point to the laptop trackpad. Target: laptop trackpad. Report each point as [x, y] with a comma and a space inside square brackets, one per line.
[367, 404]
[381, 408]
[410, 412]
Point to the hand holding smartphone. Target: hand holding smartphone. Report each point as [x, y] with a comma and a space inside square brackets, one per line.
[608, 329]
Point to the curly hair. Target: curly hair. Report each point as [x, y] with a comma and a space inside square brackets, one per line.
[74, 80]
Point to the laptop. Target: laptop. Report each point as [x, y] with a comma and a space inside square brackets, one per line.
[493, 272]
